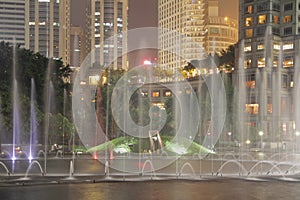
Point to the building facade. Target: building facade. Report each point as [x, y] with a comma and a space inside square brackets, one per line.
[222, 31]
[12, 21]
[182, 32]
[48, 28]
[108, 21]
[77, 45]
[267, 69]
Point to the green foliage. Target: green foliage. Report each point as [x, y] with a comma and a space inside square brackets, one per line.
[30, 65]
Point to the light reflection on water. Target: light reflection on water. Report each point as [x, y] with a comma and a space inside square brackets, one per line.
[161, 190]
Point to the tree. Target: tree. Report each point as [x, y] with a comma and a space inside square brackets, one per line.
[29, 65]
[227, 58]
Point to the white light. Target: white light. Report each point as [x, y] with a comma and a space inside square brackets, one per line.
[260, 133]
[147, 62]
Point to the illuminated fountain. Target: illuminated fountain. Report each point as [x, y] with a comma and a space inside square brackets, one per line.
[143, 151]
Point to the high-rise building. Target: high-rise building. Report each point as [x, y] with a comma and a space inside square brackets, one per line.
[222, 31]
[108, 21]
[267, 67]
[12, 21]
[77, 45]
[48, 28]
[182, 24]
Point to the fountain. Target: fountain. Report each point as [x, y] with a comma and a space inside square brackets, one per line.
[188, 150]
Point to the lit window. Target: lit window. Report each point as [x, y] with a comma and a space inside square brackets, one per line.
[248, 21]
[94, 80]
[287, 18]
[247, 63]
[269, 105]
[168, 93]
[261, 62]
[275, 61]
[155, 94]
[247, 48]
[292, 81]
[249, 33]
[262, 19]
[275, 19]
[249, 9]
[260, 47]
[288, 46]
[250, 81]
[288, 62]
[276, 46]
[252, 109]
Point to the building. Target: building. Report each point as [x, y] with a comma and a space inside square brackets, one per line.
[108, 21]
[222, 31]
[267, 69]
[77, 45]
[182, 35]
[48, 28]
[12, 21]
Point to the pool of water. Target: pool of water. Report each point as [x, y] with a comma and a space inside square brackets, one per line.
[161, 190]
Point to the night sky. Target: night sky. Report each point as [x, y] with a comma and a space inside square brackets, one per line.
[143, 13]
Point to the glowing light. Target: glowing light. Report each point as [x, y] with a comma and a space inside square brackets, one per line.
[147, 62]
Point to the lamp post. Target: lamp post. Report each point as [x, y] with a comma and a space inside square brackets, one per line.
[296, 141]
[229, 138]
[260, 133]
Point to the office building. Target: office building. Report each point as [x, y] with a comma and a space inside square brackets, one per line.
[267, 69]
[222, 31]
[108, 21]
[182, 35]
[12, 21]
[48, 28]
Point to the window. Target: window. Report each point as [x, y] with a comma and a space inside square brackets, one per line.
[269, 105]
[275, 30]
[262, 19]
[93, 80]
[248, 21]
[287, 19]
[276, 46]
[292, 81]
[168, 93]
[275, 61]
[249, 9]
[249, 33]
[288, 62]
[247, 63]
[261, 62]
[284, 81]
[288, 46]
[288, 31]
[288, 6]
[261, 31]
[247, 48]
[276, 6]
[262, 7]
[284, 105]
[260, 46]
[252, 109]
[250, 81]
[155, 94]
[275, 19]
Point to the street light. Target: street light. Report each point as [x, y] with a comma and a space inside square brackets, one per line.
[297, 134]
[229, 138]
[260, 133]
